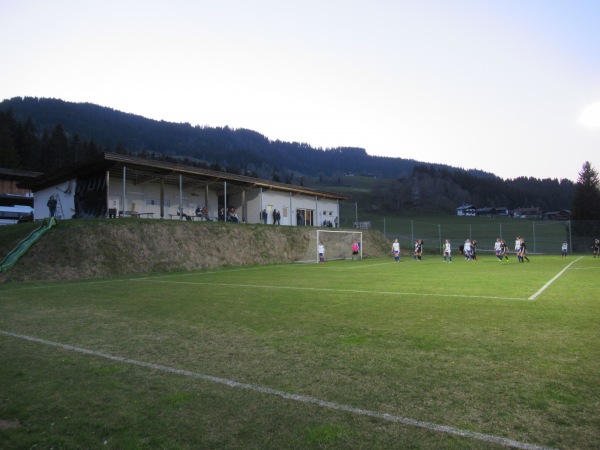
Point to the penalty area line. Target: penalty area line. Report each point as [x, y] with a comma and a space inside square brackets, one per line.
[556, 277]
[289, 396]
[350, 291]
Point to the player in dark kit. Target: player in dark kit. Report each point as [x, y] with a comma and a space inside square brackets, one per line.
[419, 249]
[596, 247]
[523, 251]
[504, 249]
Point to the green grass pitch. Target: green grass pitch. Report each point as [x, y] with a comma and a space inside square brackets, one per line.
[363, 354]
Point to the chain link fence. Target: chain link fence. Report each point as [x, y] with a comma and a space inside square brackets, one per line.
[541, 236]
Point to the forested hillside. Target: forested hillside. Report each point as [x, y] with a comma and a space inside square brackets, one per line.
[44, 134]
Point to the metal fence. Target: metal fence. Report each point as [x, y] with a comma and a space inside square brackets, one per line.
[541, 236]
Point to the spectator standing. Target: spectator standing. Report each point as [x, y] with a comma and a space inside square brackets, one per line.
[52, 205]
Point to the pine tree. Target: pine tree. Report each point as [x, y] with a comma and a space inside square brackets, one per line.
[586, 201]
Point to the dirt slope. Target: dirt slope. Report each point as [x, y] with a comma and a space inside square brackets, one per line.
[96, 248]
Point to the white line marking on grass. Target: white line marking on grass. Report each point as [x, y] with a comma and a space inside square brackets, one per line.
[202, 272]
[362, 266]
[288, 396]
[352, 291]
[544, 287]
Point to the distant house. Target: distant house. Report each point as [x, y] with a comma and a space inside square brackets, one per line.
[114, 185]
[466, 210]
[487, 212]
[15, 202]
[563, 214]
[533, 212]
[492, 211]
[9, 178]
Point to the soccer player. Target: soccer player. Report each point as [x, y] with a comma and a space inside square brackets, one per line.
[504, 247]
[415, 252]
[564, 249]
[498, 249]
[321, 253]
[396, 250]
[468, 250]
[596, 247]
[523, 251]
[355, 248]
[517, 244]
[448, 250]
[419, 249]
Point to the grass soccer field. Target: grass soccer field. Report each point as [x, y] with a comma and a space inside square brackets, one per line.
[363, 354]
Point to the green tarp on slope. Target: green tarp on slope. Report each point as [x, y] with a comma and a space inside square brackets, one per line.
[26, 243]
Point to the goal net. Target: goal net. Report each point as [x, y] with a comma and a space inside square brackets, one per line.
[337, 244]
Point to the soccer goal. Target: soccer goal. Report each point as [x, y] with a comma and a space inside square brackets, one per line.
[337, 244]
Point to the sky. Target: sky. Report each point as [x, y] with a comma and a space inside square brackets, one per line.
[510, 87]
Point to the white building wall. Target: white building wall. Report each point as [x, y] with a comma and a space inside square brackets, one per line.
[66, 201]
[145, 198]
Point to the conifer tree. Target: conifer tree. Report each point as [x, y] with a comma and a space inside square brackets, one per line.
[586, 201]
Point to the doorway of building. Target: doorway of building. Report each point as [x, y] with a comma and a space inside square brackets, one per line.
[305, 217]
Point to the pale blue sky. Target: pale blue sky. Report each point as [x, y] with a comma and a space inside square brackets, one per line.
[511, 87]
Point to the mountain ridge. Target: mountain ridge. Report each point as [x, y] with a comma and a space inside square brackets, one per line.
[240, 149]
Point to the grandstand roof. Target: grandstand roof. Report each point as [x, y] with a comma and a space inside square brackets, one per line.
[144, 170]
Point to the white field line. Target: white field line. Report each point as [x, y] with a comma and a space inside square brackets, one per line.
[544, 287]
[315, 266]
[288, 396]
[351, 291]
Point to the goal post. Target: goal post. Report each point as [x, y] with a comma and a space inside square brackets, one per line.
[337, 245]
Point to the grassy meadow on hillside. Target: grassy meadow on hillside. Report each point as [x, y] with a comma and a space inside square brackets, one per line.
[364, 354]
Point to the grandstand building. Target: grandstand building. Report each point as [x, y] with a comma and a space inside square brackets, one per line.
[114, 185]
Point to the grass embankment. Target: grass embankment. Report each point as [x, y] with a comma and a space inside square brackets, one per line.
[101, 247]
